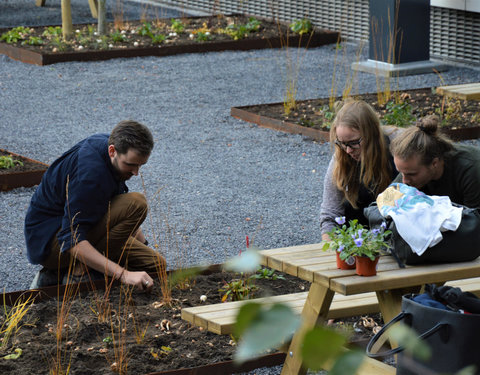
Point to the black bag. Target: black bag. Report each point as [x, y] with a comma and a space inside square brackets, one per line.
[461, 245]
[452, 336]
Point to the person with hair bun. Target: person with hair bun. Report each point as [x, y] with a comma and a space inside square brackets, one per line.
[429, 161]
[361, 166]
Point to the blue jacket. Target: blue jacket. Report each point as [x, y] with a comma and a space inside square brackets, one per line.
[72, 197]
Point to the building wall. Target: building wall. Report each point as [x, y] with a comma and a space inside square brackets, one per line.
[454, 27]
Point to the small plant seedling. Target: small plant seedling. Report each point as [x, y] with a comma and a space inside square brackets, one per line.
[59, 43]
[203, 36]
[238, 289]
[237, 31]
[325, 118]
[453, 110]
[253, 25]
[158, 38]
[108, 341]
[301, 27]
[177, 26]
[118, 37]
[8, 162]
[91, 30]
[15, 35]
[53, 31]
[145, 29]
[241, 31]
[268, 273]
[399, 114]
[33, 41]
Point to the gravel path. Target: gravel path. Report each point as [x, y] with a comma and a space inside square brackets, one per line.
[212, 179]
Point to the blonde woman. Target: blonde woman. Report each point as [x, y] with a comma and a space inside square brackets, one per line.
[361, 166]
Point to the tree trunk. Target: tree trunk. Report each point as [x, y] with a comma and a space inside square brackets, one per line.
[102, 23]
[67, 26]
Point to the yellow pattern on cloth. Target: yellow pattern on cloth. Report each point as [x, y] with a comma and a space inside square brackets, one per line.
[389, 196]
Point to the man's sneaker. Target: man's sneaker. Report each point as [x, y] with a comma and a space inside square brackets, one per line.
[91, 275]
[43, 278]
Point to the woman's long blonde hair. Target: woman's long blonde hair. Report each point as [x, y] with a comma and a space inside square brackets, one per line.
[374, 169]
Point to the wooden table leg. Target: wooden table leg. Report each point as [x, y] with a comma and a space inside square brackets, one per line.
[390, 303]
[314, 312]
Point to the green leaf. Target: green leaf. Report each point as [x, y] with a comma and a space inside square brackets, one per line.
[469, 370]
[268, 329]
[321, 345]
[248, 261]
[18, 353]
[348, 363]
[245, 317]
[181, 275]
[408, 338]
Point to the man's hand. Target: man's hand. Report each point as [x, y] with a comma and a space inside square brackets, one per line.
[141, 280]
[89, 256]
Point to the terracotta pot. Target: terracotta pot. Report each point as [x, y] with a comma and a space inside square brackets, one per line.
[365, 266]
[348, 264]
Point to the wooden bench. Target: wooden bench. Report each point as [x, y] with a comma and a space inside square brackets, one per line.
[220, 318]
[465, 91]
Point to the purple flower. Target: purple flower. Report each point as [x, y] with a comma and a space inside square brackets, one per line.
[340, 220]
[358, 241]
[341, 247]
[375, 231]
[383, 225]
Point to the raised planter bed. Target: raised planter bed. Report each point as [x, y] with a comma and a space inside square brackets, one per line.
[463, 125]
[29, 174]
[206, 354]
[82, 329]
[272, 35]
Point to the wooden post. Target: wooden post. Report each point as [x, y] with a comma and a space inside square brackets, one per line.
[40, 3]
[93, 8]
[102, 23]
[67, 26]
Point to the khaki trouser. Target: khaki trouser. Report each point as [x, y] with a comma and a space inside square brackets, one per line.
[113, 237]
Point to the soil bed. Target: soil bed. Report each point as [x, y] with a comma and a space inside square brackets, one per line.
[27, 173]
[460, 118]
[160, 37]
[92, 345]
[26, 164]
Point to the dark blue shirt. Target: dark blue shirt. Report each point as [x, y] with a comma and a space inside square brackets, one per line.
[72, 197]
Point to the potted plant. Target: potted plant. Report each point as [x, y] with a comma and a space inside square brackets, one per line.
[341, 241]
[358, 247]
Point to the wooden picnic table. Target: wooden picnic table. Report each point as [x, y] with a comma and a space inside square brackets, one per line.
[310, 263]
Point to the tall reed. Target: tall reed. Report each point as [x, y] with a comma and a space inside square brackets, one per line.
[12, 318]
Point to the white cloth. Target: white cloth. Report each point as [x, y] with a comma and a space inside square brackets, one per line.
[419, 218]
